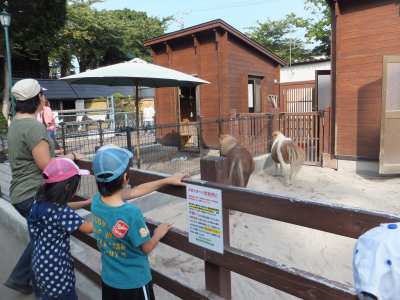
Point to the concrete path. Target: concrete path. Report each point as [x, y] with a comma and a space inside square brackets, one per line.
[10, 249]
[13, 239]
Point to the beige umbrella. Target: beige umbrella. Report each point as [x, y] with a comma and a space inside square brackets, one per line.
[136, 72]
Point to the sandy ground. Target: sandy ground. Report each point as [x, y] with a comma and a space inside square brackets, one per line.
[355, 188]
[321, 253]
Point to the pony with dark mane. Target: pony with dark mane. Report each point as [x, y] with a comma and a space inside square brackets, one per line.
[286, 156]
[239, 161]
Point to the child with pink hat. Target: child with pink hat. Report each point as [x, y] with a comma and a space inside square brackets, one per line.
[51, 222]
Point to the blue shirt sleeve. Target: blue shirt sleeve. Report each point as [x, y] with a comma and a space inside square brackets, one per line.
[69, 220]
[138, 233]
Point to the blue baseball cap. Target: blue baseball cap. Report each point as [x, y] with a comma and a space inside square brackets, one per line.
[110, 162]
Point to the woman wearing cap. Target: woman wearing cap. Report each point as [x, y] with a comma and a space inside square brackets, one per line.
[30, 150]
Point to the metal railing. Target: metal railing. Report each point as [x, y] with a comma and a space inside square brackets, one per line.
[168, 148]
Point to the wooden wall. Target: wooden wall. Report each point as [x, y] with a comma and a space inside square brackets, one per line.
[242, 62]
[201, 61]
[365, 32]
[226, 63]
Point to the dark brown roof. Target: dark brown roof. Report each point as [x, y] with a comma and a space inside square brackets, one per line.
[341, 2]
[218, 23]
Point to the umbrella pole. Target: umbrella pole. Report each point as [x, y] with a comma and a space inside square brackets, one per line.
[137, 127]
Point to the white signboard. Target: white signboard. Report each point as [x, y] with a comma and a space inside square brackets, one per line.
[205, 217]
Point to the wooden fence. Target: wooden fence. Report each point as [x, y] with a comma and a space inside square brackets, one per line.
[306, 129]
[298, 97]
[324, 217]
[252, 130]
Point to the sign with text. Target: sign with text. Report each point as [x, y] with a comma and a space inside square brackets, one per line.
[205, 225]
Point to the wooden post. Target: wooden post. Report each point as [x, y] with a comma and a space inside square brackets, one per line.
[275, 122]
[100, 129]
[63, 138]
[218, 280]
[328, 160]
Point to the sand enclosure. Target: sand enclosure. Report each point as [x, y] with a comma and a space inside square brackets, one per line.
[321, 253]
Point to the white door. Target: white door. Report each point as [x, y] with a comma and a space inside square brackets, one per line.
[389, 159]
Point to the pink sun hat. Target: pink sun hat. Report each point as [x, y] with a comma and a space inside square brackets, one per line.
[60, 169]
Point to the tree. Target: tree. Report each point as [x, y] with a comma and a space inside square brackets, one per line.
[83, 36]
[33, 29]
[103, 37]
[319, 30]
[278, 37]
[136, 28]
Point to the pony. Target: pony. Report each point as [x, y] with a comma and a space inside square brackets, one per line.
[286, 156]
[240, 163]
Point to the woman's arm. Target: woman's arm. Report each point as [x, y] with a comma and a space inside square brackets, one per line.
[149, 187]
[80, 204]
[41, 154]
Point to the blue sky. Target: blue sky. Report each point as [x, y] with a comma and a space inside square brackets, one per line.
[239, 13]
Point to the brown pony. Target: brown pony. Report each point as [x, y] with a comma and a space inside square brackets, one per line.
[239, 161]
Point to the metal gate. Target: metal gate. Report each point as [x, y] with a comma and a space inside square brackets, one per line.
[306, 129]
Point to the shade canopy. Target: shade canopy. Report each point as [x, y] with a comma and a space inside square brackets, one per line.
[135, 72]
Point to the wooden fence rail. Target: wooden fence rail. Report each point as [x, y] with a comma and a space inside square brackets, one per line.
[330, 218]
[306, 129]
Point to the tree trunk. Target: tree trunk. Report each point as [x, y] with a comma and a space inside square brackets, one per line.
[65, 64]
[83, 65]
[44, 64]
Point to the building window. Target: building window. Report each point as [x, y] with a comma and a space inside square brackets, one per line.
[254, 94]
[188, 104]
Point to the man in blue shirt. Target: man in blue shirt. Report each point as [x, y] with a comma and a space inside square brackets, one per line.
[119, 227]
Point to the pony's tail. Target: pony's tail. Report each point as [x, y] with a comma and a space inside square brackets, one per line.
[296, 159]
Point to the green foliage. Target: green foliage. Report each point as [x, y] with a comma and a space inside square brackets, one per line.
[277, 35]
[136, 27]
[34, 26]
[104, 37]
[3, 122]
[319, 30]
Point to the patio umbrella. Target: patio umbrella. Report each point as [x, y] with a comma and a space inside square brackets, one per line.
[136, 72]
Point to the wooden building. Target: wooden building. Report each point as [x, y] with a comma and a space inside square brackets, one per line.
[241, 73]
[303, 84]
[366, 80]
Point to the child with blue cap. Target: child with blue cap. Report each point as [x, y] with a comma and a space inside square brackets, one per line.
[375, 263]
[119, 227]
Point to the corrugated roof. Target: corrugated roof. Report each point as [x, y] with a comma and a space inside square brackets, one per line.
[90, 91]
[218, 23]
[62, 90]
[58, 90]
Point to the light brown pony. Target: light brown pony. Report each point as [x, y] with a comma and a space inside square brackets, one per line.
[287, 156]
[239, 161]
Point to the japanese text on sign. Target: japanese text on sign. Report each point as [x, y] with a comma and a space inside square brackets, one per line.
[205, 217]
